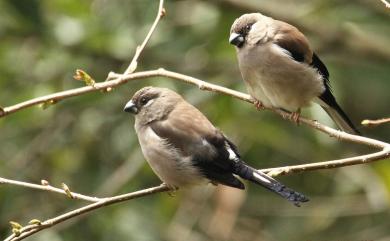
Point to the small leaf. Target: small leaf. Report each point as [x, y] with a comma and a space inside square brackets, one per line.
[163, 12]
[67, 190]
[106, 90]
[16, 232]
[15, 225]
[365, 122]
[44, 182]
[81, 75]
[35, 221]
[47, 104]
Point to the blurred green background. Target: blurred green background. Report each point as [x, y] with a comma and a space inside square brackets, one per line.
[90, 144]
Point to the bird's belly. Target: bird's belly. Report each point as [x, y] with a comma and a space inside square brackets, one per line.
[278, 81]
[289, 90]
[165, 161]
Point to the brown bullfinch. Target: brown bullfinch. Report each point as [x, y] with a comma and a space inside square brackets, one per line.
[280, 69]
[183, 148]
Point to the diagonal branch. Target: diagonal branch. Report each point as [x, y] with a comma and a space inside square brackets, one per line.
[134, 62]
[203, 85]
[33, 228]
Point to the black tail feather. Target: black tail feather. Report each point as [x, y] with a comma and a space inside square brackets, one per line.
[255, 176]
[335, 112]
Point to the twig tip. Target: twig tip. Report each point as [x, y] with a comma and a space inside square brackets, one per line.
[163, 12]
[67, 190]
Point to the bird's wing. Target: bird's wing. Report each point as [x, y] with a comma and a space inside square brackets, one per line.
[292, 40]
[190, 132]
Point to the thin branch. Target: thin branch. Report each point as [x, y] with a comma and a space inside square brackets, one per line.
[373, 123]
[49, 188]
[33, 228]
[278, 171]
[134, 62]
[387, 5]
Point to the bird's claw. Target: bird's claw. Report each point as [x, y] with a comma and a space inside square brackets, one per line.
[259, 105]
[294, 116]
[172, 190]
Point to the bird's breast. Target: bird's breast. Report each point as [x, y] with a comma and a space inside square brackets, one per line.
[275, 79]
[166, 161]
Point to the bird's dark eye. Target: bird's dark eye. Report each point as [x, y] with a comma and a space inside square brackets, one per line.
[248, 27]
[144, 100]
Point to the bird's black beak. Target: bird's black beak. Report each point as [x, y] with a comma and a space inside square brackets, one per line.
[131, 108]
[236, 39]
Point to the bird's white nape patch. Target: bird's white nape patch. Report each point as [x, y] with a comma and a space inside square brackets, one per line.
[232, 154]
[149, 103]
[258, 176]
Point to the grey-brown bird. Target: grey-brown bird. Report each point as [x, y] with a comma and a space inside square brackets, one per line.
[280, 69]
[183, 148]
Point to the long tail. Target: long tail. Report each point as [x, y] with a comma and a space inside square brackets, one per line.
[255, 176]
[341, 119]
[328, 102]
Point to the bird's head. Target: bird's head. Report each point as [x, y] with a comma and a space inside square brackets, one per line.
[248, 28]
[152, 103]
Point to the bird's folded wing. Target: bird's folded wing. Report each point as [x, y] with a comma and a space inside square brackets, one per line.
[191, 133]
[292, 40]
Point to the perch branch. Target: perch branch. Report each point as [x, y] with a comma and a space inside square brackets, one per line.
[102, 202]
[118, 79]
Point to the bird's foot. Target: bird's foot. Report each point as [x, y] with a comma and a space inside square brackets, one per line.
[172, 193]
[172, 190]
[259, 105]
[294, 116]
